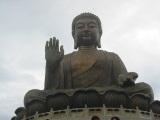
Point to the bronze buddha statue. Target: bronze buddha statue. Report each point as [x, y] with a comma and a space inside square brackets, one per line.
[85, 69]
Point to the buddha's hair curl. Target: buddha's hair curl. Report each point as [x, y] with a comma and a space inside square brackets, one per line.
[86, 14]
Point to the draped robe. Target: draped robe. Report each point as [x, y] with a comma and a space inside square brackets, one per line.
[85, 68]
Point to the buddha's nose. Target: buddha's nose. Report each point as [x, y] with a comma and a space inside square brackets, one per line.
[86, 31]
[85, 28]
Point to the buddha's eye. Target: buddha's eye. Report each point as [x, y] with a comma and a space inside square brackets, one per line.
[92, 25]
[79, 26]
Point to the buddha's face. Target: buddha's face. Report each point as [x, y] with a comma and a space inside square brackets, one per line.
[86, 32]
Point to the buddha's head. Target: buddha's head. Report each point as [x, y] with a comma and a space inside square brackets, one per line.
[86, 30]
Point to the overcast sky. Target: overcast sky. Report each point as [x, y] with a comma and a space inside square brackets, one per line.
[131, 28]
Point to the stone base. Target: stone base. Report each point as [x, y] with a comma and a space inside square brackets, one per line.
[101, 113]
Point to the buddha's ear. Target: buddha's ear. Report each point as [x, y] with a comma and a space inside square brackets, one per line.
[75, 40]
[99, 44]
[75, 43]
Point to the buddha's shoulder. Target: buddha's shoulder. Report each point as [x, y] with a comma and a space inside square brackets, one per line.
[107, 53]
[69, 54]
[103, 53]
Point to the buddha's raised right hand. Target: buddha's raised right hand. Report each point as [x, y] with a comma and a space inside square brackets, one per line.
[52, 53]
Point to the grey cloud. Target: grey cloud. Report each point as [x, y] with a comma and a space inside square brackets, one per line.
[4, 117]
[5, 74]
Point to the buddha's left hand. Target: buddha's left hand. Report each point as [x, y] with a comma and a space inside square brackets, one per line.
[128, 79]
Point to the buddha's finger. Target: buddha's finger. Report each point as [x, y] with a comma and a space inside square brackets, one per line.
[57, 45]
[61, 50]
[54, 42]
[50, 43]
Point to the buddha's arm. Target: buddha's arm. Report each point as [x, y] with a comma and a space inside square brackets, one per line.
[53, 58]
[117, 67]
[120, 74]
[52, 76]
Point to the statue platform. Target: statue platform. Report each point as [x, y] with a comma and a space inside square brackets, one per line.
[101, 113]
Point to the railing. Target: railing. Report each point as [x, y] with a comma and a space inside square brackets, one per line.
[102, 110]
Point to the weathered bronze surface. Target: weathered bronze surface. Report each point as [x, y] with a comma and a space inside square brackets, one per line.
[87, 67]
[86, 76]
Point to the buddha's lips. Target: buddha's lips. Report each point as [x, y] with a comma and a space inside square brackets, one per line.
[86, 37]
[85, 34]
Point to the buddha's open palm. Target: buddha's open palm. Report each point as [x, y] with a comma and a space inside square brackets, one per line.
[52, 52]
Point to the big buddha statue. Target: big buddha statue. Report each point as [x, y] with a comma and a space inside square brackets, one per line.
[86, 76]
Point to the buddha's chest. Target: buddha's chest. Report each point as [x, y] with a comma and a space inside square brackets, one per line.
[83, 62]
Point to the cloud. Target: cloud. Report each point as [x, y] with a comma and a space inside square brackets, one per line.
[5, 74]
